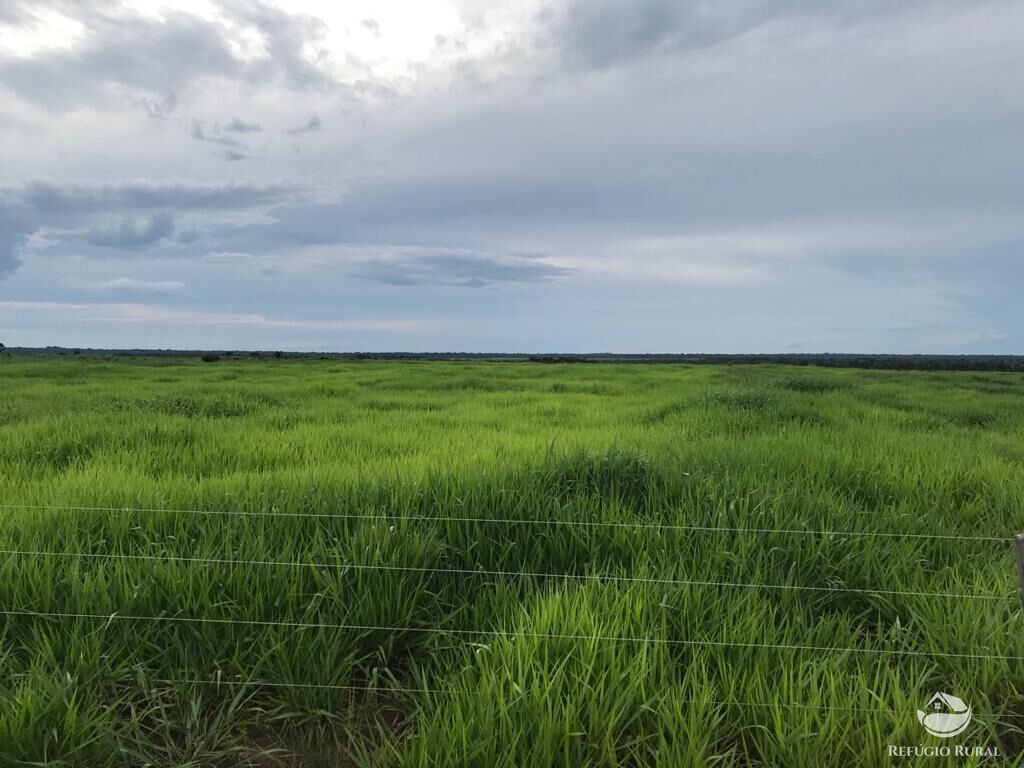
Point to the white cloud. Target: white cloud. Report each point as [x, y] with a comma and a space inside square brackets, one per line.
[131, 284]
[162, 315]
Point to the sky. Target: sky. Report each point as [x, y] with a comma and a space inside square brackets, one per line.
[529, 176]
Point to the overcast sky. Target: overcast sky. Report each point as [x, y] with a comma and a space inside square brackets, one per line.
[552, 175]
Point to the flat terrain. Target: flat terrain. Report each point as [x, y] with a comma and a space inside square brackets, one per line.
[305, 563]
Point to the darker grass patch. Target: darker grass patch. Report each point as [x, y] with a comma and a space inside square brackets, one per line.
[867, 488]
[803, 416]
[973, 418]
[578, 389]
[410, 405]
[59, 453]
[748, 401]
[887, 398]
[617, 475]
[1010, 387]
[225, 406]
[10, 416]
[480, 385]
[814, 386]
[666, 412]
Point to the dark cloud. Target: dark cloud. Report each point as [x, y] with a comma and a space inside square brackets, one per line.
[234, 151]
[312, 124]
[470, 270]
[596, 34]
[45, 197]
[129, 234]
[151, 57]
[11, 237]
[187, 236]
[127, 50]
[28, 207]
[199, 133]
[287, 37]
[237, 125]
[157, 109]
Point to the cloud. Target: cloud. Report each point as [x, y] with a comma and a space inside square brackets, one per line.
[44, 196]
[743, 168]
[143, 54]
[312, 124]
[199, 134]
[157, 108]
[129, 234]
[470, 270]
[73, 206]
[13, 12]
[598, 34]
[157, 314]
[152, 56]
[133, 285]
[228, 257]
[11, 237]
[294, 42]
[235, 125]
[234, 151]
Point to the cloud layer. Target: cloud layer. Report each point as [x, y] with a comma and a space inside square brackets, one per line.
[750, 175]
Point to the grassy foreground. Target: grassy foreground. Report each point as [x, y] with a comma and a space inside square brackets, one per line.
[454, 564]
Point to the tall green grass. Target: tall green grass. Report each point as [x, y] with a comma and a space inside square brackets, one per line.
[407, 570]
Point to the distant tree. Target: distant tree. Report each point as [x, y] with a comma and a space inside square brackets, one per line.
[210, 358]
[279, 354]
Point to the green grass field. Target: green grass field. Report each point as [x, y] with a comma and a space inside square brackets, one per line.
[323, 563]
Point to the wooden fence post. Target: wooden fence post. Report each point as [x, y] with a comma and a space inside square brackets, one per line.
[1018, 548]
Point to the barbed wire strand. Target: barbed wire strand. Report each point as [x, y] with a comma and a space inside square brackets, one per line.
[439, 691]
[502, 633]
[497, 573]
[385, 689]
[517, 521]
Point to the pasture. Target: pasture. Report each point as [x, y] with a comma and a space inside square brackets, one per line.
[322, 563]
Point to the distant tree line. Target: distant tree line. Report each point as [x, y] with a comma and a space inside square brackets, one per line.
[829, 360]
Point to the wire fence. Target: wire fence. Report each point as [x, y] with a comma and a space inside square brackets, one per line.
[520, 521]
[219, 680]
[503, 634]
[707, 702]
[498, 633]
[597, 577]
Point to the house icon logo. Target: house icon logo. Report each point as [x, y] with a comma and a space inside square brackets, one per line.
[945, 715]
